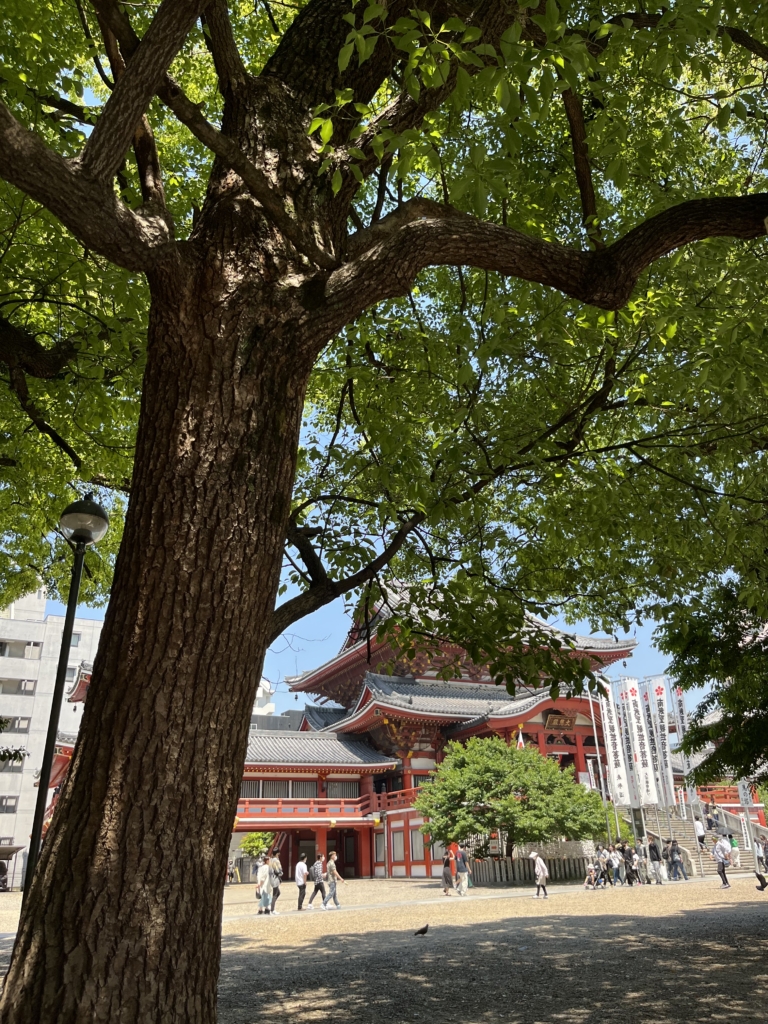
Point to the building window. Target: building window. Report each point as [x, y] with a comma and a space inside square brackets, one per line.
[75, 640]
[18, 686]
[8, 804]
[343, 790]
[417, 845]
[33, 650]
[249, 789]
[275, 789]
[18, 725]
[398, 846]
[11, 766]
[303, 789]
[6, 840]
[70, 676]
[419, 780]
[378, 842]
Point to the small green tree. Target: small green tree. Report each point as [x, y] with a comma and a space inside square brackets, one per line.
[486, 785]
[14, 754]
[256, 844]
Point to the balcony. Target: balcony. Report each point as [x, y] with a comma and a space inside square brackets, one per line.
[304, 813]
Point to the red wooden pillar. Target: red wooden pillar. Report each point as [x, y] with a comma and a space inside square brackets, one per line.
[364, 865]
[321, 841]
[580, 759]
[407, 844]
[542, 740]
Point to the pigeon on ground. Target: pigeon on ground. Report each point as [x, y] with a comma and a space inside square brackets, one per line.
[422, 931]
[762, 881]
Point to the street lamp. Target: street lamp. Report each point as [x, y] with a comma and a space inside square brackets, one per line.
[82, 523]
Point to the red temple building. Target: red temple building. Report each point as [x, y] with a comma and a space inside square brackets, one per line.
[344, 777]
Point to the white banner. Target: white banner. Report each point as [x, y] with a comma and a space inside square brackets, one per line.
[641, 748]
[656, 693]
[745, 833]
[626, 738]
[681, 723]
[745, 793]
[617, 769]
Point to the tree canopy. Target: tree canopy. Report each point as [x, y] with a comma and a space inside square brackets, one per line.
[716, 641]
[560, 457]
[486, 786]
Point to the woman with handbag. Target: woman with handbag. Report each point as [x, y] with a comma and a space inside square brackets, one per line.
[275, 877]
[263, 887]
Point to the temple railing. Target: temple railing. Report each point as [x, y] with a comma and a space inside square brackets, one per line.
[251, 810]
[315, 807]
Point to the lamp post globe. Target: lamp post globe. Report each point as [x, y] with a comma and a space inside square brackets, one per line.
[82, 524]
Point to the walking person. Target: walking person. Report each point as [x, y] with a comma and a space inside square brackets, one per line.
[302, 871]
[676, 860]
[721, 853]
[275, 878]
[448, 862]
[701, 833]
[316, 876]
[333, 878]
[605, 866]
[263, 886]
[760, 852]
[542, 874]
[616, 862]
[629, 871]
[231, 872]
[654, 861]
[463, 870]
[735, 854]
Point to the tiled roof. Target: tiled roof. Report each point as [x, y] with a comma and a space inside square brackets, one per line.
[323, 718]
[67, 739]
[438, 697]
[309, 748]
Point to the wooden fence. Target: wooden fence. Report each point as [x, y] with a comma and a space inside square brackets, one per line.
[509, 871]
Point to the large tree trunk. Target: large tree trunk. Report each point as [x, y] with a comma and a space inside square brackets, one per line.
[123, 922]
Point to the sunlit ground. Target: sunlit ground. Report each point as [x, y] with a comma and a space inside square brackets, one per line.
[649, 955]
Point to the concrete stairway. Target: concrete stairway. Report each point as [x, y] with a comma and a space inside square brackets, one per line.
[685, 834]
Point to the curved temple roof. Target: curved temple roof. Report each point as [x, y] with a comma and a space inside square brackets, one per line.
[316, 750]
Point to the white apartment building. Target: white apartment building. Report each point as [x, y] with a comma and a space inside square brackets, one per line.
[30, 642]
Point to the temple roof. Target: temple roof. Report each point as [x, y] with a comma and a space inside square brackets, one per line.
[322, 718]
[321, 749]
[347, 668]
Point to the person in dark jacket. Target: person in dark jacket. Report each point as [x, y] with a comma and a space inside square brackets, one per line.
[629, 856]
[676, 862]
[654, 861]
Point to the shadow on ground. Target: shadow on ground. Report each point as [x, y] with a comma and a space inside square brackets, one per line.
[690, 966]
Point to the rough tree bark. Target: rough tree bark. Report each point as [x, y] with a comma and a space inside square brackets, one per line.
[122, 923]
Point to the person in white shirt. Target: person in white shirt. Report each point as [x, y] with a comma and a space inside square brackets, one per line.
[701, 833]
[542, 874]
[722, 854]
[301, 878]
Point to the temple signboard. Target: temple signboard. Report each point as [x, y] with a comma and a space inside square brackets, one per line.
[560, 722]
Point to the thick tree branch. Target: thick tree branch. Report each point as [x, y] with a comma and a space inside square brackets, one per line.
[582, 166]
[20, 349]
[91, 210]
[144, 147]
[112, 136]
[300, 538]
[387, 257]
[18, 383]
[221, 41]
[225, 148]
[319, 595]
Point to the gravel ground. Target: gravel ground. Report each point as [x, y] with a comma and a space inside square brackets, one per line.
[649, 955]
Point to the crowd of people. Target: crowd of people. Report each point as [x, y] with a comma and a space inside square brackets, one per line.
[616, 864]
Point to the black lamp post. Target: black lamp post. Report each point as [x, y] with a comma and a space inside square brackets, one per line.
[82, 523]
